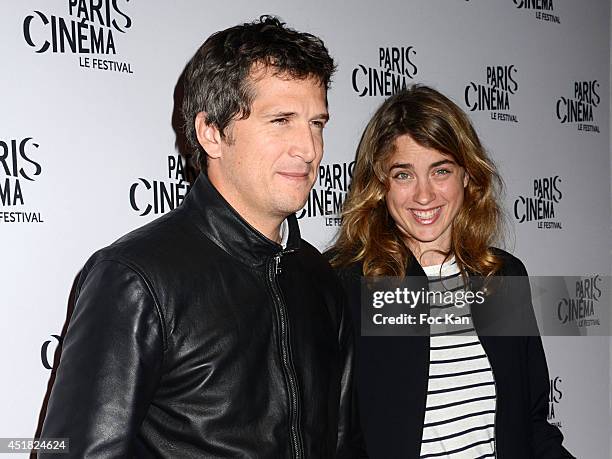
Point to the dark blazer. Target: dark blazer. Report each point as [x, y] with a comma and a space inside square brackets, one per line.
[392, 373]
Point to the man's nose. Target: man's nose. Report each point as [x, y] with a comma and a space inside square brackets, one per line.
[305, 143]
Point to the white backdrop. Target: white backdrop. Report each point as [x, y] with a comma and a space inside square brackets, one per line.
[85, 143]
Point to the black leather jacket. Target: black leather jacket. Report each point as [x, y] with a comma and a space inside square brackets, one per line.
[196, 336]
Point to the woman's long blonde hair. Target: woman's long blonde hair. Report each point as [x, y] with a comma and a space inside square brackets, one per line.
[368, 233]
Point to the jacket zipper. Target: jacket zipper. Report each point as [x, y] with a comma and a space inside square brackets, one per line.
[296, 441]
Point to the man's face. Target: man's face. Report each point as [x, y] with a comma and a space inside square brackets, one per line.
[268, 163]
[425, 194]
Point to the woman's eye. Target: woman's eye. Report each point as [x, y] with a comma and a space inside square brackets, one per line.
[442, 172]
[402, 176]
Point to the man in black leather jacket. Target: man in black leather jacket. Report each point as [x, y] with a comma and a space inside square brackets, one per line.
[215, 331]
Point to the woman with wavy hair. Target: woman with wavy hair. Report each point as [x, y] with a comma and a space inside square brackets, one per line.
[423, 205]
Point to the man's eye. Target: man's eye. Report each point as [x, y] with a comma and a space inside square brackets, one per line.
[280, 120]
[318, 124]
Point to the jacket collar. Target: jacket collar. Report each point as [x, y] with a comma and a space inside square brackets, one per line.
[220, 223]
[413, 268]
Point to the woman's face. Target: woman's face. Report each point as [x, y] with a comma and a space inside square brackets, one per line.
[425, 194]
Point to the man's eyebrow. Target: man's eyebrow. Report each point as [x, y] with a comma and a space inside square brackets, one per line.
[321, 116]
[279, 114]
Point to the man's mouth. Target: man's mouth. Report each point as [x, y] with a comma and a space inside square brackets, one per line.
[294, 175]
[426, 217]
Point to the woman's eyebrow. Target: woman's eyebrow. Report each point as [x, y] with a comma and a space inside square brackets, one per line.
[411, 166]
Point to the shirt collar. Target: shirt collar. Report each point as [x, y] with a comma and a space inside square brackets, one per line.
[284, 233]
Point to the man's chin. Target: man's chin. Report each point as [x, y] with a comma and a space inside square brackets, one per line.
[292, 206]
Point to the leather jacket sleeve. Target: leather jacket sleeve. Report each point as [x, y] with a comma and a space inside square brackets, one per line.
[546, 439]
[351, 443]
[110, 363]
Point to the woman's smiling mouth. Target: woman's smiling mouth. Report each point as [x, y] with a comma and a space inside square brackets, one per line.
[426, 217]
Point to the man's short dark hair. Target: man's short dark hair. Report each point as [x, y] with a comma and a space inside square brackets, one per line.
[217, 77]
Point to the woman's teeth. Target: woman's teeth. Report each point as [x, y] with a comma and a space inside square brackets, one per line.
[426, 216]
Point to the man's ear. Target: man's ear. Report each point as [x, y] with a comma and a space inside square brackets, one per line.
[466, 179]
[208, 135]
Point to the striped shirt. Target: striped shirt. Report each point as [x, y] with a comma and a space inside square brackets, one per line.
[461, 397]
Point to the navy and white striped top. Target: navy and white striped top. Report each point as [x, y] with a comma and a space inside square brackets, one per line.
[461, 396]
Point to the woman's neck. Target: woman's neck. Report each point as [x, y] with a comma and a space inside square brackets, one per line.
[429, 256]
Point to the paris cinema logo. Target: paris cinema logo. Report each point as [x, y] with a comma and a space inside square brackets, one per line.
[543, 9]
[396, 68]
[581, 309]
[495, 94]
[555, 396]
[157, 197]
[329, 192]
[542, 206]
[48, 349]
[92, 30]
[579, 109]
[19, 169]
